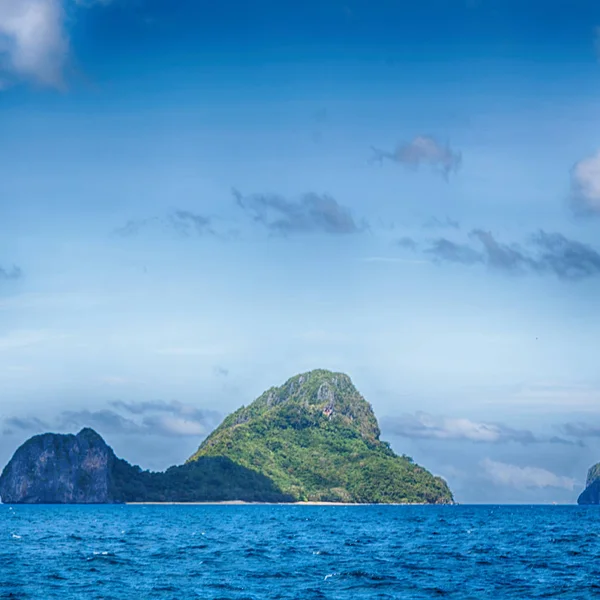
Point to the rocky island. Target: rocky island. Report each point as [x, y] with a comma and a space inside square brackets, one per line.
[313, 439]
[591, 494]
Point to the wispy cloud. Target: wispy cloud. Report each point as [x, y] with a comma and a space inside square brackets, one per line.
[221, 371]
[24, 424]
[189, 223]
[134, 227]
[568, 259]
[183, 223]
[501, 473]
[444, 250]
[446, 223]
[426, 426]
[548, 253]
[422, 150]
[105, 421]
[309, 214]
[13, 273]
[407, 242]
[505, 257]
[581, 430]
[170, 418]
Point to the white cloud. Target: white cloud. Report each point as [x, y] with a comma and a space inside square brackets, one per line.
[585, 184]
[176, 425]
[157, 418]
[423, 425]
[426, 426]
[33, 41]
[506, 474]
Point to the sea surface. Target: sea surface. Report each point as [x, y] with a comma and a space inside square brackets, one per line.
[299, 552]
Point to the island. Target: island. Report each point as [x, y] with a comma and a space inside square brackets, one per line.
[314, 439]
[591, 494]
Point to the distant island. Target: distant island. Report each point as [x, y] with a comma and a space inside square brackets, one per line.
[314, 439]
[591, 494]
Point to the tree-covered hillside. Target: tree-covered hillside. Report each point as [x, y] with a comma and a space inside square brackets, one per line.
[317, 439]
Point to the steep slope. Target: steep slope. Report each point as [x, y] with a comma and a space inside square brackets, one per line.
[64, 469]
[317, 439]
[591, 494]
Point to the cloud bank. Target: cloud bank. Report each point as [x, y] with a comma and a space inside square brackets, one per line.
[549, 253]
[157, 418]
[506, 474]
[426, 426]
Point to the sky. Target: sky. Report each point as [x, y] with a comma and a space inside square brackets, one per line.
[199, 200]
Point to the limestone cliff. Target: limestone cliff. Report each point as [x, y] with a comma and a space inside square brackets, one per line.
[59, 469]
[591, 494]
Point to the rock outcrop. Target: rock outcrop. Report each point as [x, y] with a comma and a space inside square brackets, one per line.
[591, 494]
[59, 469]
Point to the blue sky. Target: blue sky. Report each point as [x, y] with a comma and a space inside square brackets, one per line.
[199, 202]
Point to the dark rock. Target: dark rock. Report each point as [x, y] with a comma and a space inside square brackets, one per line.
[591, 494]
[59, 469]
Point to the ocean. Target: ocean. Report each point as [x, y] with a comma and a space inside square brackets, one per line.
[298, 552]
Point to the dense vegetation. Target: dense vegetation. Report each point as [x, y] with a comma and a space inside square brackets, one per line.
[316, 438]
[210, 479]
[593, 474]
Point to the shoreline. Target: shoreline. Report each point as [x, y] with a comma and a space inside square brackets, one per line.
[243, 503]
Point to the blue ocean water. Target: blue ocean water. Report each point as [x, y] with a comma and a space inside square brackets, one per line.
[299, 552]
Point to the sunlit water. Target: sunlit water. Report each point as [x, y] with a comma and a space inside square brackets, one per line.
[303, 552]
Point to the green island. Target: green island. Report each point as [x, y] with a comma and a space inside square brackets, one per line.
[317, 439]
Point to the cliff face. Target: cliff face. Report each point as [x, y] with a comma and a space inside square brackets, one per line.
[591, 494]
[59, 469]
